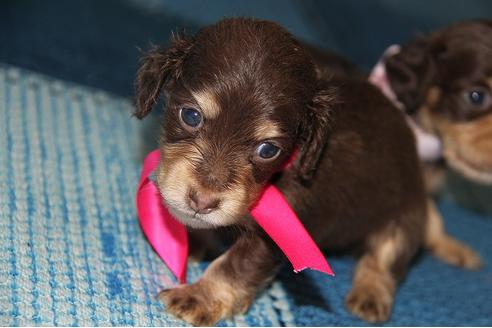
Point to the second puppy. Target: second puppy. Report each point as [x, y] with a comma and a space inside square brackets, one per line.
[443, 81]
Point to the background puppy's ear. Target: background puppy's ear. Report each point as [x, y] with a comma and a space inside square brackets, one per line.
[314, 133]
[158, 66]
[411, 72]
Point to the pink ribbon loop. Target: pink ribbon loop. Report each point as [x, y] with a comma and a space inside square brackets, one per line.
[167, 236]
[272, 212]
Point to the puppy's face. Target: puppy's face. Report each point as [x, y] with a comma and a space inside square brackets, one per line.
[446, 80]
[218, 148]
[236, 103]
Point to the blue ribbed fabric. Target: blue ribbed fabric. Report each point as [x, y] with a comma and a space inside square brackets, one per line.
[71, 250]
[72, 253]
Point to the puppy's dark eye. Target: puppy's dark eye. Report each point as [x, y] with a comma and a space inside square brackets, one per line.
[191, 117]
[267, 150]
[478, 97]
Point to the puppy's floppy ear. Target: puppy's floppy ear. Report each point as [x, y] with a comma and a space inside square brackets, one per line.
[411, 72]
[159, 66]
[314, 132]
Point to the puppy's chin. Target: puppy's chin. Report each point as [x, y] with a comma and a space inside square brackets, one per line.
[190, 219]
[464, 165]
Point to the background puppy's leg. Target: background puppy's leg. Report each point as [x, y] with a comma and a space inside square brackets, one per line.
[445, 247]
[377, 274]
[227, 287]
[434, 176]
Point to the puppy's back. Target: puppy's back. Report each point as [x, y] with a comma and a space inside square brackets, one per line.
[369, 173]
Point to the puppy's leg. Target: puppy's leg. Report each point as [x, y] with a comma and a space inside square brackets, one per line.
[204, 244]
[374, 283]
[227, 287]
[445, 247]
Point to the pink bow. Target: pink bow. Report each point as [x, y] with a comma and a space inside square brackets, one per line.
[272, 212]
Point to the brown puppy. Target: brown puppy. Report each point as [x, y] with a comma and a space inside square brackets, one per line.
[444, 81]
[241, 96]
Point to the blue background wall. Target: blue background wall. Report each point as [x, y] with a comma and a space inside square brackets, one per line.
[96, 42]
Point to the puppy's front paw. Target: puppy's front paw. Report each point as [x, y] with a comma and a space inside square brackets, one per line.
[195, 304]
[191, 304]
[370, 303]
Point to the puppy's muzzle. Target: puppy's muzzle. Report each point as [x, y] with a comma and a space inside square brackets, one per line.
[202, 202]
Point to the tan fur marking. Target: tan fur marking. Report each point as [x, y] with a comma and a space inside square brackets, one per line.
[388, 250]
[175, 177]
[425, 119]
[489, 82]
[175, 164]
[213, 297]
[424, 115]
[371, 297]
[267, 130]
[444, 246]
[433, 96]
[468, 147]
[232, 293]
[208, 104]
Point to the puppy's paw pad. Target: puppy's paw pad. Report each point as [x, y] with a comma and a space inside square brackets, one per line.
[187, 302]
[370, 304]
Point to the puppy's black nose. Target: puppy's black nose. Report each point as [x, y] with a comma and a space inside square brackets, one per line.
[203, 203]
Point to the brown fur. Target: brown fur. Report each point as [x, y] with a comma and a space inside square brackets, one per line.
[351, 142]
[442, 245]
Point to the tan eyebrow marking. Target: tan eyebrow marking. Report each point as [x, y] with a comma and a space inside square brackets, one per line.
[489, 82]
[433, 96]
[268, 130]
[208, 104]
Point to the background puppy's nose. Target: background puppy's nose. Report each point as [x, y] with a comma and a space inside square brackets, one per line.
[202, 202]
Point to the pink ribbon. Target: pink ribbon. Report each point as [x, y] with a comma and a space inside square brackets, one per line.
[272, 212]
[167, 236]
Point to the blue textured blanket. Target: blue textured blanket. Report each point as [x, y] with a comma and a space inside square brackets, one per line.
[72, 253]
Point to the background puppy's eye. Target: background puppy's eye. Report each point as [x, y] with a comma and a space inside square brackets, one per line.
[267, 150]
[478, 96]
[191, 117]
